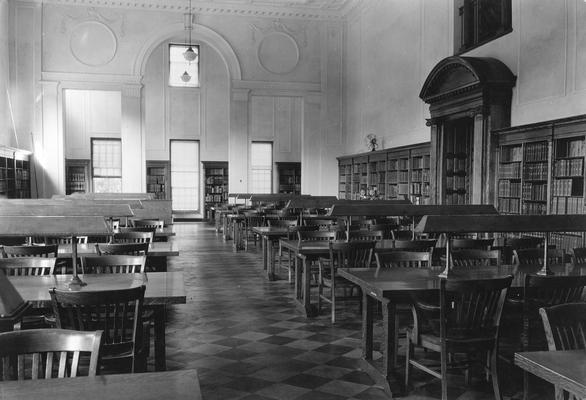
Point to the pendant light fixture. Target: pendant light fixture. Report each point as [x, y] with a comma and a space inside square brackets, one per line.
[189, 54]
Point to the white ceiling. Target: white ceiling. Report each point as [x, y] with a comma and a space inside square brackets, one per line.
[312, 9]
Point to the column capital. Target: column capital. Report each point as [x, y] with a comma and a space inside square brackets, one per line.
[131, 89]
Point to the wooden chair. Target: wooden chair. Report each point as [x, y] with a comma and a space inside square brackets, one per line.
[253, 219]
[565, 329]
[386, 229]
[469, 319]
[125, 264]
[133, 237]
[129, 249]
[394, 258]
[117, 312]
[48, 353]
[356, 254]
[64, 240]
[30, 251]
[148, 223]
[465, 243]
[282, 223]
[366, 235]
[316, 235]
[472, 258]
[535, 256]
[322, 224]
[27, 266]
[137, 229]
[579, 256]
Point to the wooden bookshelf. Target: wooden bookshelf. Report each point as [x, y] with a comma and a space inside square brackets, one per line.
[157, 179]
[395, 173]
[215, 185]
[77, 176]
[15, 181]
[289, 177]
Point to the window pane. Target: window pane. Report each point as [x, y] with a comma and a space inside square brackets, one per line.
[107, 165]
[107, 185]
[185, 175]
[178, 65]
[261, 167]
[261, 155]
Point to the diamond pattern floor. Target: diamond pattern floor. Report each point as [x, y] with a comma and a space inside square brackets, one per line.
[246, 339]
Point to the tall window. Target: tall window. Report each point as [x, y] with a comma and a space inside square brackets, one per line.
[261, 167]
[184, 175]
[107, 165]
[480, 21]
[183, 73]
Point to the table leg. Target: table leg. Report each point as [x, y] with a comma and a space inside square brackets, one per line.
[264, 243]
[271, 262]
[389, 356]
[297, 279]
[160, 351]
[367, 326]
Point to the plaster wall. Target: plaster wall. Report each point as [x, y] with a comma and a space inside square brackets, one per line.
[5, 124]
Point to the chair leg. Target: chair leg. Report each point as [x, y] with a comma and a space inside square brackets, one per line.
[408, 367]
[494, 374]
[396, 333]
[444, 375]
[333, 295]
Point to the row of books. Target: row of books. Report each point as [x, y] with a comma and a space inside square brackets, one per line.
[456, 182]
[536, 151]
[420, 189]
[567, 205]
[570, 148]
[534, 208]
[22, 174]
[456, 198]
[215, 180]
[76, 186]
[456, 164]
[537, 171]
[420, 175]
[420, 162]
[75, 177]
[215, 189]
[511, 153]
[571, 167]
[567, 240]
[215, 171]
[510, 171]
[216, 198]
[509, 189]
[509, 205]
[401, 163]
[565, 187]
[154, 188]
[155, 179]
[532, 191]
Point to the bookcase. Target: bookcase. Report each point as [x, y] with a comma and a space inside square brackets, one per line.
[289, 177]
[77, 176]
[457, 164]
[215, 184]
[541, 171]
[15, 182]
[395, 173]
[157, 178]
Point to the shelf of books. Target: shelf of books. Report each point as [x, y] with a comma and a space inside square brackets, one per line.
[377, 172]
[216, 183]
[14, 173]
[535, 177]
[289, 177]
[157, 176]
[345, 178]
[420, 184]
[509, 179]
[457, 168]
[76, 176]
[567, 187]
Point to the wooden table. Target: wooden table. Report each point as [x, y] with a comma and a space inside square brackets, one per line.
[565, 369]
[162, 289]
[269, 235]
[397, 285]
[171, 385]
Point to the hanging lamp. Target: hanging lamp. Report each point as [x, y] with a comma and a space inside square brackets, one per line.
[189, 55]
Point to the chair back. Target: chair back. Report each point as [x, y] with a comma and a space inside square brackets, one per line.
[294, 230]
[48, 353]
[138, 229]
[524, 242]
[282, 223]
[25, 266]
[64, 240]
[565, 326]
[30, 251]
[148, 223]
[129, 249]
[366, 235]
[391, 258]
[113, 264]
[316, 235]
[322, 224]
[470, 258]
[352, 254]
[117, 312]
[386, 229]
[133, 237]
[254, 219]
[472, 308]
[579, 256]
[465, 243]
[535, 256]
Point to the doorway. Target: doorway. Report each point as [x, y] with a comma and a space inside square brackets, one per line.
[185, 194]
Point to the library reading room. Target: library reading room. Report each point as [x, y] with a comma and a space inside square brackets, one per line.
[292, 199]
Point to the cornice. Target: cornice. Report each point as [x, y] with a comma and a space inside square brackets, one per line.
[324, 10]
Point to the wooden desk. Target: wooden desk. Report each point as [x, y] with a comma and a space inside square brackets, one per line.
[398, 285]
[162, 288]
[171, 385]
[269, 235]
[565, 369]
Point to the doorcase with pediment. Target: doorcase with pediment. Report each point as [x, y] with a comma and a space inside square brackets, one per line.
[468, 97]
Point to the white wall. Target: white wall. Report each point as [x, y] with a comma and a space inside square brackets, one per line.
[392, 45]
[5, 125]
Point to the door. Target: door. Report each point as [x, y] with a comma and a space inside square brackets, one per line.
[185, 176]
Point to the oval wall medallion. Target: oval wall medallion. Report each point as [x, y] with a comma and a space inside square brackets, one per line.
[278, 53]
[93, 43]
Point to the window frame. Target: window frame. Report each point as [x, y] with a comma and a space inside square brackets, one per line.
[99, 139]
[270, 169]
[199, 177]
[197, 62]
[460, 23]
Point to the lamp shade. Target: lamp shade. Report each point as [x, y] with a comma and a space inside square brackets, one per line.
[185, 77]
[190, 54]
[11, 302]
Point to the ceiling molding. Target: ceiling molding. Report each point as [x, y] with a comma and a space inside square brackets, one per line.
[294, 9]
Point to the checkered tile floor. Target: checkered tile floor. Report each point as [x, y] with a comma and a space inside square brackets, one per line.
[246, 339]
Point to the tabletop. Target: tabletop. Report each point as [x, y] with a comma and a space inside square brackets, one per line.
[161, 287]
[564, 368]
[397, 281]
[270, 230]
[156, 249]
[183, 384]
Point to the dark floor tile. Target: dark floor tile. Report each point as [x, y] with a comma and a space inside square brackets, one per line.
[231, 342]
[235, 354]
[307, 381]
[277, 340]
[345, 362]
[358, 377]
[320, 337]
[334, 349]
[248, 384]
[374, 394]
[315, 395]
[272, 330]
